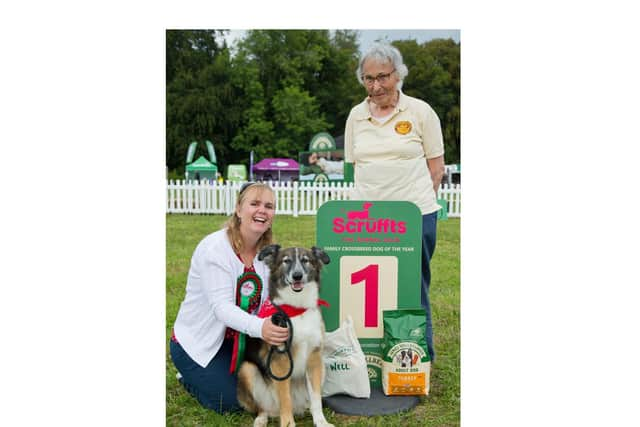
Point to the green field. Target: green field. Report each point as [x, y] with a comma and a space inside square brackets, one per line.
[440, 408]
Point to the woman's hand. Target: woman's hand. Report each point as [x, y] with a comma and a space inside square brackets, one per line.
[273, 334]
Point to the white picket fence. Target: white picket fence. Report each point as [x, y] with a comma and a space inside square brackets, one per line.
[292, 198]
[452, 194]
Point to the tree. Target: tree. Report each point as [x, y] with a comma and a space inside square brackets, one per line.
[297, 115]
[273, 69]
[201, 98]
[283, 86]
[254, 131]
[336, 87]
[434, 76]
[190, 50]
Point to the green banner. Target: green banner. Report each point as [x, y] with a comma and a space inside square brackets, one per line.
[375, 249]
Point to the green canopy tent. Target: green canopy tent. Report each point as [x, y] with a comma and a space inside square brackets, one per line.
[201, 169]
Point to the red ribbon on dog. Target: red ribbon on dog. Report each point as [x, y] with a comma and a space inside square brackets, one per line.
[269, 309]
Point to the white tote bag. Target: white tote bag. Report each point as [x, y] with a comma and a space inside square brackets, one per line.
[344, 363]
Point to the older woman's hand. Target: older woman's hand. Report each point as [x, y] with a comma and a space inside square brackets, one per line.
[273, 334]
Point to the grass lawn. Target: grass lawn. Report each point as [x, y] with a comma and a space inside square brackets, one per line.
[440, 408]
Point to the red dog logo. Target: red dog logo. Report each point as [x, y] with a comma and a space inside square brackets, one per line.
[363, 214]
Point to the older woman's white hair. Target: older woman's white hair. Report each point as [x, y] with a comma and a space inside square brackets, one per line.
[384, 53]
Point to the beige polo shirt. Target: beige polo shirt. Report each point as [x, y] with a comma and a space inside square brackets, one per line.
[390, 158]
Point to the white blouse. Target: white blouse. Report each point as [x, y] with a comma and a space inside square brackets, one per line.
[209, 304]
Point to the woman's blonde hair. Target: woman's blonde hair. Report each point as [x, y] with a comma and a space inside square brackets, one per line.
[233, 223]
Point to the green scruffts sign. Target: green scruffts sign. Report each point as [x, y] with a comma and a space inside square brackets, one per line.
[375, 249]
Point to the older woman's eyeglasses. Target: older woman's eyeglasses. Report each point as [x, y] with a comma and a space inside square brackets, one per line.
[380, 78]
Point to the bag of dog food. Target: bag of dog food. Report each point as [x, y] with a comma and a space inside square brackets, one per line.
[405, 360]
[344, 363]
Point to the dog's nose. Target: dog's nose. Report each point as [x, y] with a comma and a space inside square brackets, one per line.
[297, 275]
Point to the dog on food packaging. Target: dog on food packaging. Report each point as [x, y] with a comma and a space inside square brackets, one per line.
[287, 379]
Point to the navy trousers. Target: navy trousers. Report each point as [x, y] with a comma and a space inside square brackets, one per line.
[429, 222]
[214, 387]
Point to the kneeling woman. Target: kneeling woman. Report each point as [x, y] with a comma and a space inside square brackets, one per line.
[225, 287]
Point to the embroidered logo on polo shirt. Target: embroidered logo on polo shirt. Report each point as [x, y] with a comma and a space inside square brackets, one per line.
[403, 127]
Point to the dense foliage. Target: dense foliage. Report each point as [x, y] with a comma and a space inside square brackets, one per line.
[280, 87]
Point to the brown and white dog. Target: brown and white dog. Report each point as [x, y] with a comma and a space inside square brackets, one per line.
[294, 286]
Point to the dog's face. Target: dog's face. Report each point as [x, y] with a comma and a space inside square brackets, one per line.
[293, 269]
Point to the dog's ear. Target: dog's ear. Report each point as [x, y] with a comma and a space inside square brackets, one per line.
[268, 254]
[321, 255]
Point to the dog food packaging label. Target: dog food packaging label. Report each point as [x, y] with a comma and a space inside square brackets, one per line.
[344, 363]
[405, 360]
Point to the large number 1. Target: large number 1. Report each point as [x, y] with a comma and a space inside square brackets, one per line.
[365, 302]
[370, 276]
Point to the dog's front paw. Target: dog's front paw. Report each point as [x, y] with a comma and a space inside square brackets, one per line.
[324, 423]
[261, 421]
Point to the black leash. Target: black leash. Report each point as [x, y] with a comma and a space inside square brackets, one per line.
[281, 319]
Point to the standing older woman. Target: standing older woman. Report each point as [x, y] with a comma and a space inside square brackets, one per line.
[225, 286]
[395, 144]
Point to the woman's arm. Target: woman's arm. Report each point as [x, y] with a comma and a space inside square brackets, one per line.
[218, 285]
[436, 169]
[433, 146]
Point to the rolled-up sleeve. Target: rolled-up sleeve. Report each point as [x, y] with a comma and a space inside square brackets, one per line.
[432, 135]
